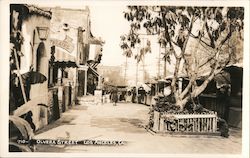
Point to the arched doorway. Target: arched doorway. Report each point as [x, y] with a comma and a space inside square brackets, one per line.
[41, 59]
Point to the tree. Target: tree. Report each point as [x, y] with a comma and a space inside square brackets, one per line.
[111, 79]
[127, 44]
[188, 34]
[127, 52]
[140, 57]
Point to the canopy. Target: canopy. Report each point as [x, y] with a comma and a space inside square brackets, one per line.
[164, 81]
[64, 59]
[145, 86]
[33, 77]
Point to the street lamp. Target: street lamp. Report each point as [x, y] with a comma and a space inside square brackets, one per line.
[42, 32]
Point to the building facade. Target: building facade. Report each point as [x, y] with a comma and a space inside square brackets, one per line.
[69, 34]
[29, 62]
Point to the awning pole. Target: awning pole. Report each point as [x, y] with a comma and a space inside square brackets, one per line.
[20, 78]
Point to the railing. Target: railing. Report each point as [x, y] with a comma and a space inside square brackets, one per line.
[185, 123]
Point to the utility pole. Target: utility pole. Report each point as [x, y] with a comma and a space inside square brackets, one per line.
[136, 80]
[159, 60]
[143, 60]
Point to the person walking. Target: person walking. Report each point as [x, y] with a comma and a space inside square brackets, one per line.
[115, 96]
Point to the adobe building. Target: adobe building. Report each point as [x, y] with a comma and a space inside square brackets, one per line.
[29, 63]
[73, 41]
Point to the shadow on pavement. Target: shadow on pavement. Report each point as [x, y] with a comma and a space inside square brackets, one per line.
[64, 120]
[119, 124]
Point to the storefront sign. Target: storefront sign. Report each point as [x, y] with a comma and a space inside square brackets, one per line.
[66, 44]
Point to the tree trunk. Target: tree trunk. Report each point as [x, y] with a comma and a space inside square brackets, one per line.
[143, 67]
[173, 83]
[182, 102]
[165, 67]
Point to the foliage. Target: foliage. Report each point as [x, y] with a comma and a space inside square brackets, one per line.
[114, 80]
[127, 50]
[211, 27]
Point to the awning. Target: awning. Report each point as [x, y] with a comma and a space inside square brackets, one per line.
[64, 59]
[94, 71]
[65, 64]
[145, 86]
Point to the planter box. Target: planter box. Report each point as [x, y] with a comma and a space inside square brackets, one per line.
[185, 123]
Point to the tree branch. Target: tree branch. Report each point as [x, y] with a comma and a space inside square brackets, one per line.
[226, 38]
[202, 87]
[192, 35]
[210, 36]
[186, 90]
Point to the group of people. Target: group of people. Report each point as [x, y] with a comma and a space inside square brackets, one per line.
[127, 96]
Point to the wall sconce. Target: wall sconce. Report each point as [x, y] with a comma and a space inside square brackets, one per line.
[42, 32]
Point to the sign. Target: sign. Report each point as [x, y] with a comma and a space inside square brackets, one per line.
[66, 44]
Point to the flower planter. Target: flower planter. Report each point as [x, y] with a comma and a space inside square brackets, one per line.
[185, 123]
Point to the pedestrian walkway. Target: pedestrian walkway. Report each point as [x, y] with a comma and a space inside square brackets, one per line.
[126, 122]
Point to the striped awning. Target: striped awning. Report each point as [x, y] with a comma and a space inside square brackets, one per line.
[64, 59]
[63, 56]
[94, 71]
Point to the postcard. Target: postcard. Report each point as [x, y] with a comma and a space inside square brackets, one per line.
[125, 78]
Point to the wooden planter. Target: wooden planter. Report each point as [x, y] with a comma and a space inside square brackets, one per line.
[185, 123]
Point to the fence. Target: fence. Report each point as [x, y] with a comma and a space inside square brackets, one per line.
[185, 123]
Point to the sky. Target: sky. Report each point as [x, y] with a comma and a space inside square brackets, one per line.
[108, 22]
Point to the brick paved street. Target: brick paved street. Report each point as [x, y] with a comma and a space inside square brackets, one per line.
[126, 122]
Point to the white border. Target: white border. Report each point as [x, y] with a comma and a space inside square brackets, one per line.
[4, 71]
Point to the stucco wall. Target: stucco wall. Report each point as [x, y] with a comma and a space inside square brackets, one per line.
[38, 92]
[74, 19]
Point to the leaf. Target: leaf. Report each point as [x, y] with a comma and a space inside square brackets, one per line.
[223, 26]
[218, 17]
[215, 34]
[184, 21]
[159, 22]
[173, 17]
[167, 16]
[126, 15]
[190, 10]
[138, 26]
[130, 17]
[148, 16]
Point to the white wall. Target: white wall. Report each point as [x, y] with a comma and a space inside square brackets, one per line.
[38, 92]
